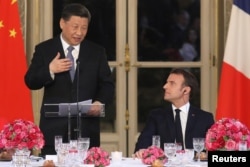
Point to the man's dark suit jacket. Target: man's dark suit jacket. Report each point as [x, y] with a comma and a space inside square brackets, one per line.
[161, 122]
[95, 82]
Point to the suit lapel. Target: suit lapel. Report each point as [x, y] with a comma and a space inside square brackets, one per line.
[59, 48]
[190, 121]
[170, 122]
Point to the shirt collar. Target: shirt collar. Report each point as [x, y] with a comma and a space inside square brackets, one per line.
[184, 108]
[66, 45]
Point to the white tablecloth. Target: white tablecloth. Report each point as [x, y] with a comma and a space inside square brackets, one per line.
[126, 162]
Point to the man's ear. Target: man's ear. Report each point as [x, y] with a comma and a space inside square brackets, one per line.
[186, 90]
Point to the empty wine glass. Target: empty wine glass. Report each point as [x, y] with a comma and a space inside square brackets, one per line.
[82, 152]
[179, 152]
[170, 150]
[188, 155]
[85, 141]
[63, 151]
[83, 146]
[243, 145]
[198, 144]
[58, 142]
[73, 146]
[156, 141]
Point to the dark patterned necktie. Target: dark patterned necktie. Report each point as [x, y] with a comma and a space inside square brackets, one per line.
[70, 56]
[178, 129]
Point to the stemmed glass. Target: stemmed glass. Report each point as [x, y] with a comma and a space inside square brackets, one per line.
[62, 155]
[169, 150]
[156, 141]
[243, 145]
[73, 152]
[82, 147]
[179, 152]
[85, 141]
[189, 155]
[198, 144]
[58, 141]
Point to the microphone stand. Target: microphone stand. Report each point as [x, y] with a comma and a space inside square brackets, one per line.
[79, 114]
[69, 123]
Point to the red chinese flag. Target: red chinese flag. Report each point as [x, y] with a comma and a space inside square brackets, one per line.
[15, 97]
[234, 92]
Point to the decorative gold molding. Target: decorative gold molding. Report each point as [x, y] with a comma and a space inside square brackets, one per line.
[228, 7]
[22, 14]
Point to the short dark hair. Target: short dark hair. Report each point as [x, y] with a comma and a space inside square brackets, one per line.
[75, 9]
[189, 79]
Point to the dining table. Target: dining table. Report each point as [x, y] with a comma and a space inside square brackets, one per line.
[125, 162]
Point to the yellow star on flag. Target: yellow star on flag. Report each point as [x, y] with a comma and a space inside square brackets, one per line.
[1, 23]
[13, 33]
[13, 1]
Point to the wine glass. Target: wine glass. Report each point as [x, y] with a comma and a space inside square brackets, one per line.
[170, 150]
[73, 152]
[188, 155]
[198, 144]
[156, 141]
[82, 147]
[85, 141]
[58, 142]
[243, 145]
[179, 152]
[63, 151]
[73, 146]
[82, 152]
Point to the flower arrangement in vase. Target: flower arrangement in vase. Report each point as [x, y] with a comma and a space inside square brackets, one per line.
[21, 134]
[152, 154]
[226, 134]
[98, 157]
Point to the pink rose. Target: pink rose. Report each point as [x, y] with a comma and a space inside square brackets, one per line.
[230, 145]
[98, 157]
[153, 153]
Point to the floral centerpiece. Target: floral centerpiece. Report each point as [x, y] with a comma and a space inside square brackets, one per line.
[98, 157]
[21, 134]
[152, 154]
[226, 134]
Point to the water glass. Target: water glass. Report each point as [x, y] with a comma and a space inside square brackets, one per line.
[170, 151]
[73, 146]
[73, 152]
[63, 151]
[21, 158]
[198, 144]
[85, 141]
[179, 148]
[188, 155]
[58, 141]
[82, 153]
[179, 151]
[156, 141]
[243, 145]
[82, 147]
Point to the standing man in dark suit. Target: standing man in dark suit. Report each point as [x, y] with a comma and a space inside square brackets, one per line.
[179, 87]
[49, 69]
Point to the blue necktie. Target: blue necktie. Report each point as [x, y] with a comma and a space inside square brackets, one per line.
[70, 56]
[179, 136]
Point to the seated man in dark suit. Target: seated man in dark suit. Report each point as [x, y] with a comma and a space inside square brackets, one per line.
[180, 86]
